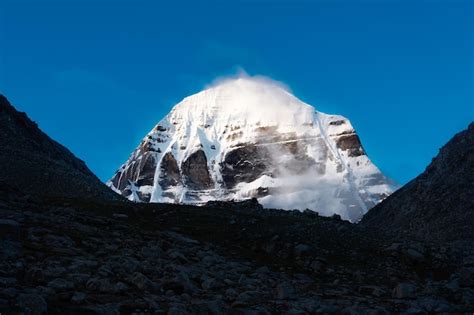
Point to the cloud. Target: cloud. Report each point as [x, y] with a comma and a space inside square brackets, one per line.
[242, 74]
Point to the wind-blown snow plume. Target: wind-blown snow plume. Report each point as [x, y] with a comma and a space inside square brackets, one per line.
[250, 137]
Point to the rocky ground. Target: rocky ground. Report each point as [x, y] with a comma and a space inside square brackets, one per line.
[65, 257]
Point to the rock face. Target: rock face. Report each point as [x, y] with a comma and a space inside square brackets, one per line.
[170, 174]
[439, 203]
[33, 162]
[196, 174]
[247, 138]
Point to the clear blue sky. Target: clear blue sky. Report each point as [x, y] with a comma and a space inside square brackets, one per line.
[97, 75]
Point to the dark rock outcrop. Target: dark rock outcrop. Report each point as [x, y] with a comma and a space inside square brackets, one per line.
[33, 162]
[245, 164]
[351, 143]
[195, 171]
[169, 171]
[439, 203]
[147, 167]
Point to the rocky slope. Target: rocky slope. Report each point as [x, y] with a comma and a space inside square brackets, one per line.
[249, 138]
[225, 258]
[34, 163]
[439, 203]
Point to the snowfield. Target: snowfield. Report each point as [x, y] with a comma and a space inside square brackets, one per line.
[249, 137]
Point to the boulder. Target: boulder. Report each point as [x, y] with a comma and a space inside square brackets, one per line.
[32, 304]
[285, 291]
[404, 291]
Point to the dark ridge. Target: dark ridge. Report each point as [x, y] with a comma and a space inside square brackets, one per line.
[34, 163]
[439, 203]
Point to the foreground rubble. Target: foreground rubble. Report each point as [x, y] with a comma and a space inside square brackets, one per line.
[63, 258]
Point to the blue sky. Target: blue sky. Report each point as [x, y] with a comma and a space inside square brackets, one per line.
[97, 75]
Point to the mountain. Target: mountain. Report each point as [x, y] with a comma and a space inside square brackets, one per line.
[249, 137]
[34, 163]
[439, 203]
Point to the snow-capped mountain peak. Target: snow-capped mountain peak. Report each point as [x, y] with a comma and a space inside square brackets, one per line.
[250, 137]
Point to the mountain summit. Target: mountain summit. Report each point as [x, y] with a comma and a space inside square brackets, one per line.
[250, 137]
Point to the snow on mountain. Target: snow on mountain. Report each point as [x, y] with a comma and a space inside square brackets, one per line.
[248, 137]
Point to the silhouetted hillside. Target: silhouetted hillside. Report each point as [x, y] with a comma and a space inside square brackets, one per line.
[439, 203]
[38, 165]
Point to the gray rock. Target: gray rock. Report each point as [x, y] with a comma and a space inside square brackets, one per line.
[54, 270]
[120, 216]
[105, 271]
[393, 248]
[101, 285]
[310, 305]
[317, 266]
[414, 310]
[468, 261]
[32, 304]
[177, 255]
[209, 260]
[414, 255]
[434, 305]
[9, 292]
[35, 275]
[120, 287]
[371, 290]
[248, 282]
[247, 298]
[104, 309]
[177, 309]
[78, 278]
[142, 282]
[59, 241]
[7, 281]
[231, 293]
[60, 284]
[78, 297]
[404, 291]
[466, 277]
[302, 249]
[129, 264]
[453, 285]
[468, 297]
[209, 284]
[209, 307]
[9, 229]
[285, 291]
[151, 252]
[263, 269]
[10, 247]
[327, 309]
[82, 264]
